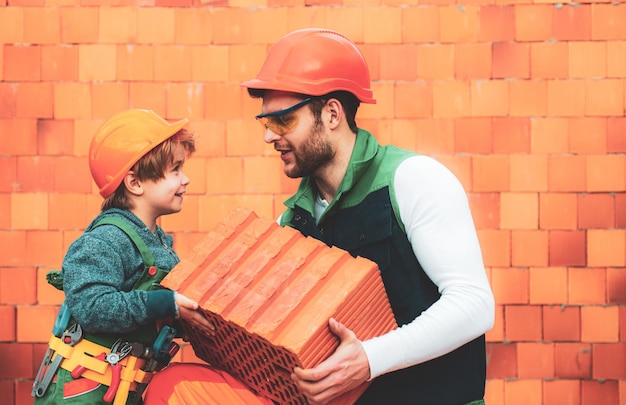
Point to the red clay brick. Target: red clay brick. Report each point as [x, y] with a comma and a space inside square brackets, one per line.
[501, 360]
[600, 392]
[567, 248]
[535, 360]
[7, 320]
[561, 392]
[257, 282]
[599, 323]
[16, 360]
[572, 360]
[596, 210]
[523, 323]
[522, 392]
[608, 361]
[7, 391]
[616, 282]
[548, 285]
[561, 323]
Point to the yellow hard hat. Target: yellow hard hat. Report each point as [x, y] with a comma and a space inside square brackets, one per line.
[124, 139]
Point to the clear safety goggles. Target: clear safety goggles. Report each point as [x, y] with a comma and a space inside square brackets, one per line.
[282, 121]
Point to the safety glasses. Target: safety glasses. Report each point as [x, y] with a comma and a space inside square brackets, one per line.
[282, 121]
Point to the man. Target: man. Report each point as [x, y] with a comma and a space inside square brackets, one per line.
[404, 211]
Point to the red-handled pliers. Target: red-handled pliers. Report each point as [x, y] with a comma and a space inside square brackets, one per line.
[113, 358]
[79, 370]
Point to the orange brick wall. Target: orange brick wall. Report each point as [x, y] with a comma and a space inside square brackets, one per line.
[523, 100]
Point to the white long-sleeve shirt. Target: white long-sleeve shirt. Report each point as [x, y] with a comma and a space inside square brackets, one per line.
[435, 211]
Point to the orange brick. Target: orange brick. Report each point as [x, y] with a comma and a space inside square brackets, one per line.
[535, 360]
[599, 323]
[549, 135]
[390, 17]
[232, 26]
[567, 248]
[185, 100]
[7, 319]
[261, 174]
[108, 99]
[222, 107]
[187, 219]
[566, 98]
[11, 21]
[588, 135]
[529, 173]
[605, 366]
[7, 97]
[18, 285]
[44, 248]
[193, 26]
[55, 137]
[172, 63]
[30, 211]
[561, 392]
[616, 59]
[96, 62]
[35, 173]
[34, 323]
[616, 142]
[238, 273]
[47, 294]
[451, 99]
[117, 25]
[135, 62]
[572, 360]
[149, 95]
[496, 247]
[25, 144]
[557, 211]
[17, 361]
[490, 173]
[72, 100]
[572, 22]
[71, 175]
[567, 173]
[473, 135]
[616, 279]
[5, 206]
[22, 63]
[494, 391]
[472, 60]
[155, 25]
[522, 392]
[587, 59]
[534, 22]
[489, 98]
[549, 60]
[597, 168]
[80, 24]
[443, 143]
[606, 247]
[561, 323]
[459, 24]
[606, 22]
[401, 133]
[414, 99]
[390, 69]
[510, 285]
[420, 24]
[33, 100]
[485, 209]
[620, 210]
[519, 210]
[460, 166]
[496, 333]
[529, 248]
[511, 60]
[529, 98]
[604, 97]
[501, 360]
[42, 25]
[548, 285]
[496, 24]
[59, 63]
[587, 285]
[523, 323]
[596, 210]
[12, 247]
[601, 392]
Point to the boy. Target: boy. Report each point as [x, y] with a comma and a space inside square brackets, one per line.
[111, 273]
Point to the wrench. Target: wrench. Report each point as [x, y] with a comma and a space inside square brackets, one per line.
[70, 338]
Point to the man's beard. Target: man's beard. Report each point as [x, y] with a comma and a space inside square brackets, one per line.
[314, 153]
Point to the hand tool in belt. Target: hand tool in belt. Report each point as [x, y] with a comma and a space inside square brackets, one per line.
[70, 338]
[113, 358]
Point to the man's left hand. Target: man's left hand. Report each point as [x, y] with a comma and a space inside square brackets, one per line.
[344, 370]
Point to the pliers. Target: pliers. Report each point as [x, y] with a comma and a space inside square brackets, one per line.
[113, 358]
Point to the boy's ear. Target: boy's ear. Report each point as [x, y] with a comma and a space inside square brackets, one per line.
[132, 183]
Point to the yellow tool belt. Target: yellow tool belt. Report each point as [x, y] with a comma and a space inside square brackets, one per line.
[83, 354]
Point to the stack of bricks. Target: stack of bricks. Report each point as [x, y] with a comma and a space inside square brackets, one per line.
[270, 292]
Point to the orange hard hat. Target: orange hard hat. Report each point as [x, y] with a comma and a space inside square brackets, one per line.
[315, 62]
[124, 139]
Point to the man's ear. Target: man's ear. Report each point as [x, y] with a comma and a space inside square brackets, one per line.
[335, 110]
[132, 183]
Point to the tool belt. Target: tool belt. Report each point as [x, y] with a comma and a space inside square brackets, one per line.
[83, 354]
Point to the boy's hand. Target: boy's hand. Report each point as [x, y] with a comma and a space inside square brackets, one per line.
[188, 311]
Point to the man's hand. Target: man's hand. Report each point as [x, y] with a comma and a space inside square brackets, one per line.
[188, 310]
[343, 371]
